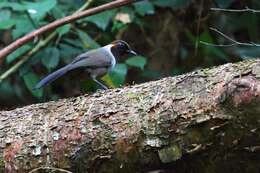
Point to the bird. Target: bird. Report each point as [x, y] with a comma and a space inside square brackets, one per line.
[97, 62]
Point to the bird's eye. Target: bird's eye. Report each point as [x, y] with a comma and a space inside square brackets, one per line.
[120, 44]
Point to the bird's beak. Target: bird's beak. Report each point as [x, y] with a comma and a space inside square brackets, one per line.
[131, 52]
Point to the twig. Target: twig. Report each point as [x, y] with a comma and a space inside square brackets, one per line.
[21, 41]
[235, 10]
[217, 45]
[234, 42]
[51, 168]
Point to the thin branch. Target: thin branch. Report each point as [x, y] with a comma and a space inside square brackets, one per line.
[234, 42]
[235, 10]
[217, 45]
[50, 168]
[21, 41]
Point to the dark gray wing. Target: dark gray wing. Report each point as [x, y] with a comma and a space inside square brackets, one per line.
[91, 59]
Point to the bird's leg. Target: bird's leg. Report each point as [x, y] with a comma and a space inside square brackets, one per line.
[102, 85]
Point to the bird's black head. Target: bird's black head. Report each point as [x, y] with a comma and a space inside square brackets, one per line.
[119, 48]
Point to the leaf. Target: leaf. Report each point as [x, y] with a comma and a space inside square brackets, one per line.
[144, 7]
[87, 40]
[64, 29]
[22, 27]
[31, 81]
[15, 6]
[10, 58]
[32, 61]
[107, 79]
[5, 20]
[51, 58]
[6, 24]
[101, 19]
[75, 42]
[137, 61]
[4, 14]
[57, 12]
[190, 35]
[68, 50]
[118, 26]
[39, 9]
[6, 90]
[118, 74]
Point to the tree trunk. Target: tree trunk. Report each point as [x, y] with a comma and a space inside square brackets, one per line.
[204, 121]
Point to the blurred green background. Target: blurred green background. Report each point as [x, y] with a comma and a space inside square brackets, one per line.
[165, 33]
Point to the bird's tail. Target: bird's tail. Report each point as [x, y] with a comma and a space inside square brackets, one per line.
[53, 76]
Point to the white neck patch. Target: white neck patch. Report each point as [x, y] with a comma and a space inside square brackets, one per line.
[108, 49]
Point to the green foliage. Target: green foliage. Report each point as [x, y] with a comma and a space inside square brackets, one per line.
[39, 9]
[68, 51]
[33, 61]
[51, 58]
[118, 26]
[101, 19]
[22, 27]
[5, 19]
[144, 7]
[87, 40]
[63, 30]
[6, 24]
[6, 90]
[30, 80]
[137, 61]
[13, 5]
[118, 74]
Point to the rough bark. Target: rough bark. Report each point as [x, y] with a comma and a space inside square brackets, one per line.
[204, 121]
